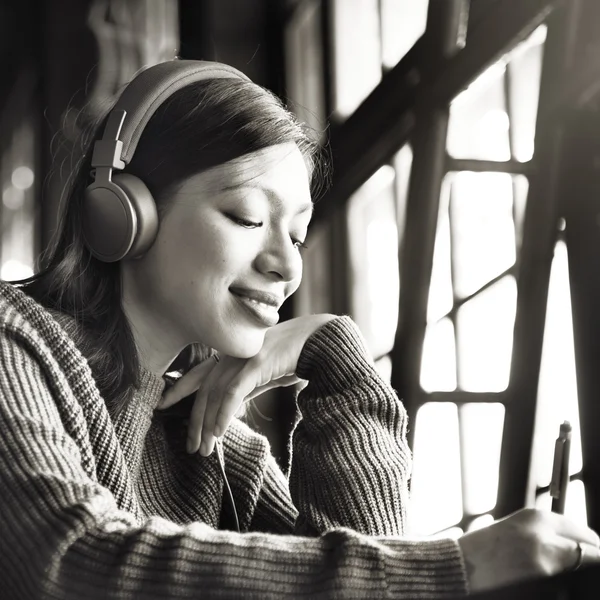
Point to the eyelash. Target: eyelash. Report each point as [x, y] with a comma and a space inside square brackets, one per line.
[251, 224]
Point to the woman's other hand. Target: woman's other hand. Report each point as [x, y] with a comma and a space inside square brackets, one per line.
[222, 387]
[528, 544]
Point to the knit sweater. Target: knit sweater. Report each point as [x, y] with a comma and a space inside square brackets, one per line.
[92, 507]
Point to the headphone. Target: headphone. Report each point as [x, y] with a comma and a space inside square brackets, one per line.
[120, 219]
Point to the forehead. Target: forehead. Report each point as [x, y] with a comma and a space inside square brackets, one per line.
[279, 170]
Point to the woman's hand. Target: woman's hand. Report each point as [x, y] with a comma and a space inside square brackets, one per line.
[222, 387]
[528, 544]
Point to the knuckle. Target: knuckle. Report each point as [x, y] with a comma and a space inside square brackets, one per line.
[230, 391]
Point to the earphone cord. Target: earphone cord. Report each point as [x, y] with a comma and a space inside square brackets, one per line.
[221, 461]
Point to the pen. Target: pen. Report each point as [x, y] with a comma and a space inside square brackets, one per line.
[560, 469]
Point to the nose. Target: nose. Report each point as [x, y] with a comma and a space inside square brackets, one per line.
[279, 258]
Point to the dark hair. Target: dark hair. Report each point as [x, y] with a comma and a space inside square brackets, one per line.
[202, 125]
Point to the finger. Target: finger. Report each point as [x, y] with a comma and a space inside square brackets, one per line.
[187, 384]
[574, 530]
[284, 381]
[197, 416]
[228, 410]
[590, 554]
[221, 371]
[242, 387]
[207, 443]
[579, 554]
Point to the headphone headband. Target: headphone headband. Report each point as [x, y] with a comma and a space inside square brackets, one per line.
[140, 100]
[120, 219]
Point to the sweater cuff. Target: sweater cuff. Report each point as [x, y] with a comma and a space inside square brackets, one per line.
[436, 568]
[335, 357]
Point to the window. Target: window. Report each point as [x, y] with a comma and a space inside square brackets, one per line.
[468, 339]
[494, 118]
[369, 36]
[470, 216]
[456, 465]
[472, 296]
[403, 22]
[557, 392]
[375, 220]
[304, 64]
[374, 260]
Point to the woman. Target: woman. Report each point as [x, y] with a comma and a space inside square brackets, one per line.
[110, 485]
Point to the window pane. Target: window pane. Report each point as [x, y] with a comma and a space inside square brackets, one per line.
[525, 71]
[478, 126]
[438, 366]
[557, 388]
[485, 336]
[356, 52]
[304, 64]
[403, 22]
[374, 275]
[480, 522]
[575, 507]
[436, 498]
[480, 122]
[521, 189]
[441, 298]
[481, 431]
[314, 294]
[402, 163]
[384, 367]
[483, 231]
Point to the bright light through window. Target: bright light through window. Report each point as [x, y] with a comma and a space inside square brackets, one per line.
[304, 64]
[575, 507]
[357, 52]
[485, 336]
[403, 22]
[480, 522]
[483, 124]
[479, 124]
[384, 367]
[483, 231]
[374, 274]
[436, 497]
[441, 296]
[481, 430]
[525, 70]
[557, 388]
[438, 365]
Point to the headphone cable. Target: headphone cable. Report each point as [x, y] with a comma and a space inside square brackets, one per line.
[221, 461]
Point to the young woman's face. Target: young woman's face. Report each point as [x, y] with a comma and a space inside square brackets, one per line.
[228, 252]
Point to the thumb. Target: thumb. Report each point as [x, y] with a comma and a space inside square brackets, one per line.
[187, 384]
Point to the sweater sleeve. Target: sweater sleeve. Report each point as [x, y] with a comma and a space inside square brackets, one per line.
[62, 534]
[351, 462]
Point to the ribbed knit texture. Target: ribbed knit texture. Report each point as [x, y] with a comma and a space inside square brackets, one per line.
[95, 509]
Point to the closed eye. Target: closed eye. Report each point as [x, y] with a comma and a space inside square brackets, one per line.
[299, 245]
[244, 222]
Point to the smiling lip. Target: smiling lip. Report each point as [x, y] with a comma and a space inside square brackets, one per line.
[260, 305]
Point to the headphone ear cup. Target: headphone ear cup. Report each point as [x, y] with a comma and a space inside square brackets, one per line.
[144, 207]
[119, 218]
